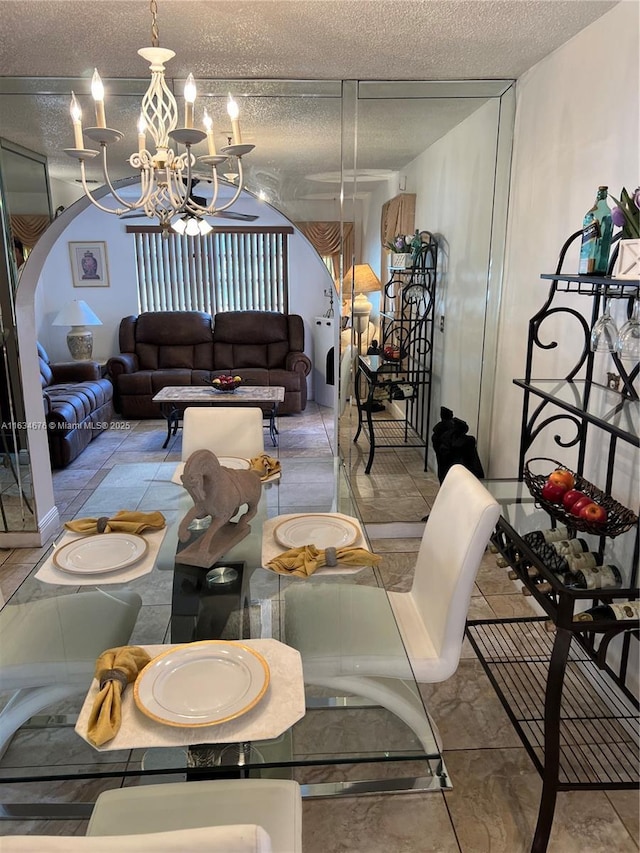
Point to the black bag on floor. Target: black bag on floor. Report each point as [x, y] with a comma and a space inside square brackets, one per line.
[453, 446]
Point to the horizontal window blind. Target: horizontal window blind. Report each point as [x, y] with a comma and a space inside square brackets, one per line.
[235, 269]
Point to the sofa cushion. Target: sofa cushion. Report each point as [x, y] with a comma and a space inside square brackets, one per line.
[167, 339]
[250, 339]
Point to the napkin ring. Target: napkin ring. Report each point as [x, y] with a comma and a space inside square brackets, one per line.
[331, 557]
[108, 675]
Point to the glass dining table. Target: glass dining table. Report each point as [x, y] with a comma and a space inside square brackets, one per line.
[361, 731]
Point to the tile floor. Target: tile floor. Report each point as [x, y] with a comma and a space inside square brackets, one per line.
[492, 807]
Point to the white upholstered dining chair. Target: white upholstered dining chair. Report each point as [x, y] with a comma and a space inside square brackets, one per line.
[217, 816]
[225, 430]
[344, 633]
[48, 649]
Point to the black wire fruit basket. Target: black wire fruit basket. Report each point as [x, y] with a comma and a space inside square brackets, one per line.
[619, 518]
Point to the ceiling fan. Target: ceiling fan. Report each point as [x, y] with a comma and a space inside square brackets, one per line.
[202, 201]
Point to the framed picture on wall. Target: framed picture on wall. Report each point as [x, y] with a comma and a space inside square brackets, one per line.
[89, 264]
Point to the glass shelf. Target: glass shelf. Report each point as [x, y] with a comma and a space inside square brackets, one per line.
[608, 409]
[588, 285]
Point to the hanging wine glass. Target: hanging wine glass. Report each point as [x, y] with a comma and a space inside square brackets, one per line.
[628, 342]
[604, 334]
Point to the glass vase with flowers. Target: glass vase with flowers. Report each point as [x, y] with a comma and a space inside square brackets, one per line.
[626, 215]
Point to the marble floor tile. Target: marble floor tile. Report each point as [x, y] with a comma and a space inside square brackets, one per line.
[108, 500]
[397, 570]
[151, 625]
[514, 604]
[467, 710]
[11, 576]
[382, 546]
[627, 806]
[398, 509]
[400, 823]
[479, 608]
[494, 804]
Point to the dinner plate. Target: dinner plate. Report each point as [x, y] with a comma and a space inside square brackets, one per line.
[234, 462]
[201, 684]
[323, 531]
[100, 553]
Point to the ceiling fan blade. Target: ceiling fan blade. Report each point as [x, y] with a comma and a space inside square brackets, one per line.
[223, 214]
[243, 217]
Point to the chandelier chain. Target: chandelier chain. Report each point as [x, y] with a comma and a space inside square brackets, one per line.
[155, 35]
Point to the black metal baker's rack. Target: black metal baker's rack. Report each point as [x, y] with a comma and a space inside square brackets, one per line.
[568, 698]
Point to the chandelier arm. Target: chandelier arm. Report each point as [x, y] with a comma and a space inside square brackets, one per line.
[177, 190]
[211, 208]
[107, 180]
[94, 201]
[237, 192]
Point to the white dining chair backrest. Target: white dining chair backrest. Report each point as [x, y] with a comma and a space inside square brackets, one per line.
[458, 529]
[216, 816]
[225, 430]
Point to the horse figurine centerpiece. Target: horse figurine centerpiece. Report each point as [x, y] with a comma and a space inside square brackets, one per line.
[219, 492]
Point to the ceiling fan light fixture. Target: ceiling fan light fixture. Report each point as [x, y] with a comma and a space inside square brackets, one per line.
[166, 177]
[192, 226]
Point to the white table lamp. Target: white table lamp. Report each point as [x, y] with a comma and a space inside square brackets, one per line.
[78, 315]
[361, 279]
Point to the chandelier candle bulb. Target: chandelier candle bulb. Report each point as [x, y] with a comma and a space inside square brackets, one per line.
[234, 112]
[76, 118]
[189, 101]
[208, 126]
[142, 131]
[97, 90]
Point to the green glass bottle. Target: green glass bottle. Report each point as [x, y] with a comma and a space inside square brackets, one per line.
[597, 228]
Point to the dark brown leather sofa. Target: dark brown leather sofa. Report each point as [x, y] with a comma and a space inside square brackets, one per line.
[78, 405]
[161, 348]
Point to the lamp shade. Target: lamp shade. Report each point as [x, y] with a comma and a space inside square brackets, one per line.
[76, 313]
[362, 279]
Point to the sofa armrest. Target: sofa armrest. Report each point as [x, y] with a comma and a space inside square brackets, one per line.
[75, 371]
[46, 399]
[298, 362]
[126, 362]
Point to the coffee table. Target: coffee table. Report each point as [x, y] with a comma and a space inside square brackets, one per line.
[175, 398]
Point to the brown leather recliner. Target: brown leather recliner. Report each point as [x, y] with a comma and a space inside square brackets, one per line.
[161, 348]
[78, 404]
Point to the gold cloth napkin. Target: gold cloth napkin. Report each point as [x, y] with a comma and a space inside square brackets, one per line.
[122, 522]
[303, 562]
[265, 465]
[115, 668]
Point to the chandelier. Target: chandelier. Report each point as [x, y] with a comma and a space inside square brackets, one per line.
[166, 177]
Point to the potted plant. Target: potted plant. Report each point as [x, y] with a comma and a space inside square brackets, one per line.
[403, 248]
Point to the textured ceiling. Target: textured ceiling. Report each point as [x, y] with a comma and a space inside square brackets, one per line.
[311, 40]
[349, 39]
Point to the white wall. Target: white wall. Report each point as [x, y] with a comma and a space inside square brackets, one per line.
[453, 181]
[576, 128]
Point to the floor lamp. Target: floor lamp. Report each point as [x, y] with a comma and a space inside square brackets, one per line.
[360, 280]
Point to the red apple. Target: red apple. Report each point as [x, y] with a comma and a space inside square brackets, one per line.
[579, 505]
[553, 491]
[561, 475]
[594, 513]
[570, 497]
